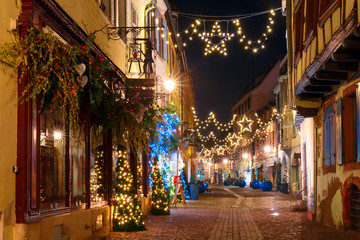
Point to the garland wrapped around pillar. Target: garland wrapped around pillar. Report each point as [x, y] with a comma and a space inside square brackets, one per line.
[159, 199]
[127, 207]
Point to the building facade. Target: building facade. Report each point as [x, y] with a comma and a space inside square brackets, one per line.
[47, 180]
[255, 123]
[323, 43]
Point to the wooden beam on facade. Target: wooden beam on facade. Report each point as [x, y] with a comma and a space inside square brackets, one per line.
[316, 82]
[346, 56]
[351, 44]
[340, 66]
[317, 89]
[330, 76]
[305, 95]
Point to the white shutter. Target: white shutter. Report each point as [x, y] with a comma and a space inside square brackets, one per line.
[339, 126]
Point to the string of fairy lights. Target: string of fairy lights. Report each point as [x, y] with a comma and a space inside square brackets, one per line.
[215, 38]
[217, 31]
[245, 132]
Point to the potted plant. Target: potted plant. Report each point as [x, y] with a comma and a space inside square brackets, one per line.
[285, 184]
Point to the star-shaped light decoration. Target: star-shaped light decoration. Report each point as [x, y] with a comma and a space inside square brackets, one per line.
[207, 153]
[220, 150]
[216, 40]
[245, 124]
[233, 139]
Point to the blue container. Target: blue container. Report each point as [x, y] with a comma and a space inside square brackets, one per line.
[266, 186]
[202, 187]
[256, 184]
[194, 191]
[242, 183]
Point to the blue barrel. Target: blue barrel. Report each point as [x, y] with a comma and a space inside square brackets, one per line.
[266, 186]
[256, 184]
[194, 191]
[242, 183]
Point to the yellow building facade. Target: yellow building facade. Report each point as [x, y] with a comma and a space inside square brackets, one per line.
[323, 69]
[22, 211]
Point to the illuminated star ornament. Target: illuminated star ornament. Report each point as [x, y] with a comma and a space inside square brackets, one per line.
[245, 124]
[216, 39]
[233, 139]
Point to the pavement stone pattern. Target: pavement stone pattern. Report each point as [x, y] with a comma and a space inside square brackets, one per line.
[235, 213]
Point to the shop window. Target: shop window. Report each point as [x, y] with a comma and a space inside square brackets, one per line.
[97, 175]
[52, 161]
[329, 135]
[77, 163]
[298, 31]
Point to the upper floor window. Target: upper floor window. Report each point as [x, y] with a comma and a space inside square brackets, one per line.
[329, 135]
[106, 7]
[298, 31]
[327, 7]
[311, 18]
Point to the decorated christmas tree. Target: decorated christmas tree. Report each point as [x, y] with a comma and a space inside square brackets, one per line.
[185, 184]
[160, 203]
[127, 207]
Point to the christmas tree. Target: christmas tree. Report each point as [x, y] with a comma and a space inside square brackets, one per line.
[127, 207]
[160, 203]
[97, 179]
[185, 184]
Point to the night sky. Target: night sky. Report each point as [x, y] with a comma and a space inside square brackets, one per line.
[218, 80]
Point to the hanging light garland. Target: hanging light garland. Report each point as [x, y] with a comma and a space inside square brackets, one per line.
[215, 39]
[231, 142]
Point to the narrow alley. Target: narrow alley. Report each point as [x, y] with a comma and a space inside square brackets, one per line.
[235, 213]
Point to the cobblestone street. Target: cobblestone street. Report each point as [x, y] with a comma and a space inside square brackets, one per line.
[235, 213]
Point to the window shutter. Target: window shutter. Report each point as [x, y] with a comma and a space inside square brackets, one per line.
[157, 31]
[332, 136]
[165, 46]
[339, 135]
[327, 141]
[357, 120]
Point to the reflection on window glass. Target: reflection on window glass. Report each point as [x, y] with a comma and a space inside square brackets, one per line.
[97, 175]
[52, 161]
[77, 163]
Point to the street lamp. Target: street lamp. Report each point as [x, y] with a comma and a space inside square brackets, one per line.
[267, 149]
[169, 85]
